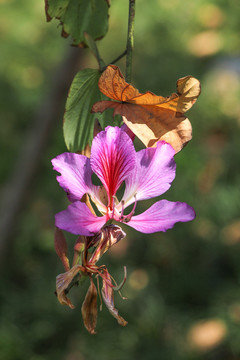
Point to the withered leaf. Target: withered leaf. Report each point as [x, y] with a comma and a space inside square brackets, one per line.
[89, 308]
[63, 281]
[108, 298]
[150, 117]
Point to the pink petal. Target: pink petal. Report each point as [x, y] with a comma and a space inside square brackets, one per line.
[154, 173]
[162, 216]
[112, 158]
[75, 173]
[78, 219]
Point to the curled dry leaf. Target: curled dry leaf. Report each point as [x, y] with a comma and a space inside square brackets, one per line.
[63, 282]
[89, 308]
[108, 298]
[150, 117]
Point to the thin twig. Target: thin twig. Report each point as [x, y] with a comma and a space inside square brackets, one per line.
[130, 40]
[119, 57]
[93, 47]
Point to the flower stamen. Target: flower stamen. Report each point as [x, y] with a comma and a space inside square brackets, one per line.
[127, 218]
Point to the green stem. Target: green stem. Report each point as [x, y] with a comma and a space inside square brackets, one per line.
[130, 38]
[100, 61]
[119, 57]
[93, 47]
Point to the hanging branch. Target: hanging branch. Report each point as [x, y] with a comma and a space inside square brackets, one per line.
[130, 38]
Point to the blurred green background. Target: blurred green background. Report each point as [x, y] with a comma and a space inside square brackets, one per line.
[183, 286]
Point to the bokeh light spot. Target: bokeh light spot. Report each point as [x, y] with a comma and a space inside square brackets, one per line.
[32, 77]
[205, 43]
[211, 16]
[231, 233]
[207, 334]
[138, 279]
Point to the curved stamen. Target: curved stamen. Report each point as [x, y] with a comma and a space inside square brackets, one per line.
[122, 216]
[119, 287]
[127, 218]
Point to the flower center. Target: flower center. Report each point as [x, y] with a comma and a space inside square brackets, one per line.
[111, 208]
[113, 212]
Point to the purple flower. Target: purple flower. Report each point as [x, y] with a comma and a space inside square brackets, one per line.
[147, 173]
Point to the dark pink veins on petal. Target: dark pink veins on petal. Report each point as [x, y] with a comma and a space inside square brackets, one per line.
[113, 158]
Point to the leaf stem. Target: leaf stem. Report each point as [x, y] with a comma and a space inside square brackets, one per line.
[119, 57]
[93, 47]
[100, 61]
[130, 38]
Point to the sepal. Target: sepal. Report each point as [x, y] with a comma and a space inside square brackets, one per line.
[108, 298]
[89, 308]
[64, 282]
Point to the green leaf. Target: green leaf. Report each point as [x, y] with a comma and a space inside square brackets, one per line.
[78, 121]
[79, 16]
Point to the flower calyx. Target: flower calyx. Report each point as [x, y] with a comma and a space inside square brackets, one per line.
[99, 243]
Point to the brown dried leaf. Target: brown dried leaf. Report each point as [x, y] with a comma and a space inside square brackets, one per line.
[108, 298]
[151, 123]
[63, 281]
[89, 308]
[113, 85]
[150, 117]
[189, 89]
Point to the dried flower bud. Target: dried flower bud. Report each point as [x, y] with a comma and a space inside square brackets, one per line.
[108, 236]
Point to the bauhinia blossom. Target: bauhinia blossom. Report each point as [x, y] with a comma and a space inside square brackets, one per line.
[147, 173]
